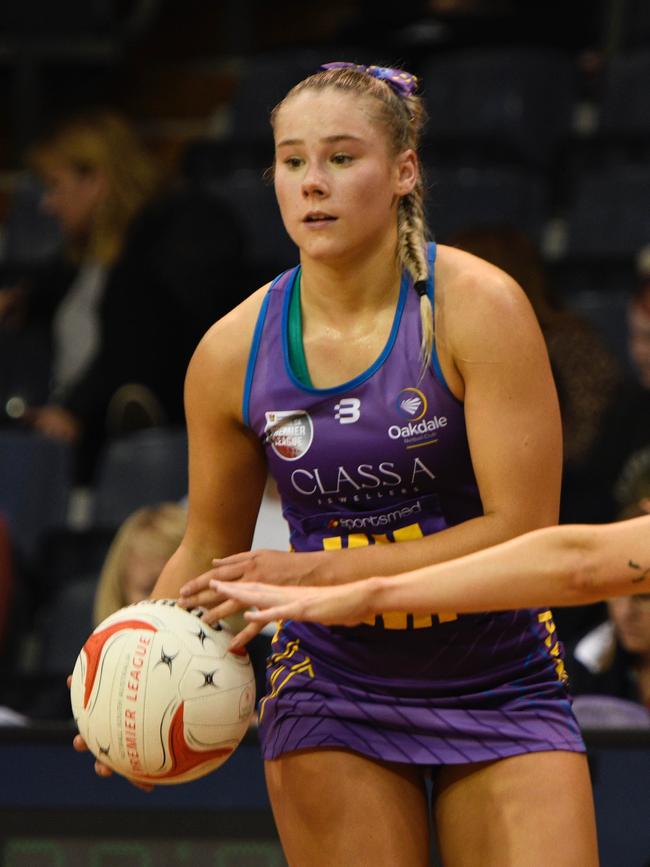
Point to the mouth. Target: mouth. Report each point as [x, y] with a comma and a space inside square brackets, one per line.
[318, 217]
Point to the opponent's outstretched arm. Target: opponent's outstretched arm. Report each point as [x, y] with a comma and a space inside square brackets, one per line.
[560, 566]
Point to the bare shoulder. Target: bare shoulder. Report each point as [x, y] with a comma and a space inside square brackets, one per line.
[230, 337]
[218, 367]
[478, 302]
[465, 280]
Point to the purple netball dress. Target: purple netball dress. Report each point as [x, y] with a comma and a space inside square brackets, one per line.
[379, 460]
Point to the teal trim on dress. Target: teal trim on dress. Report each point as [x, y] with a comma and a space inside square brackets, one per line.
[362, 377]
[295, 346]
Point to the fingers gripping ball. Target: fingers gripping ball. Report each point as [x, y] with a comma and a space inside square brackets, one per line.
[158, 697]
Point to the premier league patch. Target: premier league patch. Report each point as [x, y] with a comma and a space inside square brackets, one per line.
[289, 432]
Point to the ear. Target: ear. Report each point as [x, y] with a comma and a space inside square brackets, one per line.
[406, 172]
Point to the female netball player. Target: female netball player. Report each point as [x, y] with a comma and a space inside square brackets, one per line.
[569, 565]
[377, 434]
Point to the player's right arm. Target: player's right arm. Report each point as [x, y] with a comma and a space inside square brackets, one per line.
[227, 470]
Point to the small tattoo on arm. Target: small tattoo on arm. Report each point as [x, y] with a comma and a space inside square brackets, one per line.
[643, 574]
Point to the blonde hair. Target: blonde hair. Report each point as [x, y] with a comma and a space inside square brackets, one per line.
[158, 529]
[101, 142]
[403, 118]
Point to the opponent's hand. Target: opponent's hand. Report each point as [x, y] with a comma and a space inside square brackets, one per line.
[263, 566]
[341, 604]
[102, 770]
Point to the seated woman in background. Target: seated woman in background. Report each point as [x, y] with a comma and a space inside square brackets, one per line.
[145, 271]
[97, 178]
[141, 547]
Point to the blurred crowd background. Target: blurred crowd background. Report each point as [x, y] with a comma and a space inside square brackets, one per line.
[134, 211]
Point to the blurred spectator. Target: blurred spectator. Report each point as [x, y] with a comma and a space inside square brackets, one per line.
[144, 273]
[586, 374]
[614, 658]
[624, 444]
[140, 549]
[632, 489]
[97, 177]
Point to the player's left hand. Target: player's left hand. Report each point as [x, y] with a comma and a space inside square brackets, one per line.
[262, 566]
[102, 770]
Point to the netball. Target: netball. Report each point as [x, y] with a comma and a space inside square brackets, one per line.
[157, 695]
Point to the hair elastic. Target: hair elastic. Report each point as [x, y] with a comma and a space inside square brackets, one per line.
[403, 83]
[420, 287]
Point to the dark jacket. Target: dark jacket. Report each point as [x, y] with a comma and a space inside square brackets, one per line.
[180, 271]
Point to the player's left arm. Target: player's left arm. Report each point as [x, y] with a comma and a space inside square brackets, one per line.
[494, 348]
[511, 406]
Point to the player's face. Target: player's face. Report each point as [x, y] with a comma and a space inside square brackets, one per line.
[631, 617]
[639, 341]
[73, 198]
[337, 183]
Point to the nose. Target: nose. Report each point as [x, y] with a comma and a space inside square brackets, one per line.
[314, 182]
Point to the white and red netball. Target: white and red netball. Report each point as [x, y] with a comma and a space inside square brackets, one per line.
[158, 697]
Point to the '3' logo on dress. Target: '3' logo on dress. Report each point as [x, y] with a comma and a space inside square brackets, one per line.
[348, 410]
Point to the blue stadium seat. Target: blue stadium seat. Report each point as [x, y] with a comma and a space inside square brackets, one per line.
[472, 196]
[635, 24]
[35, 483]
[31, 235]
[67, 554]
[518, 101]
[625, 103]
[264, 81]
[64, 625]
[142, 469]
[25, 369]
[608, 212]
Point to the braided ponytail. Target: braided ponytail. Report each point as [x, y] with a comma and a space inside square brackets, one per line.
[412, 238]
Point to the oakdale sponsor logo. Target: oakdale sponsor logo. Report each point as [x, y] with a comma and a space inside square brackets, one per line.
[289, 432]
[420, 431]
[372, 522]
[416, 429]
[411, 403]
